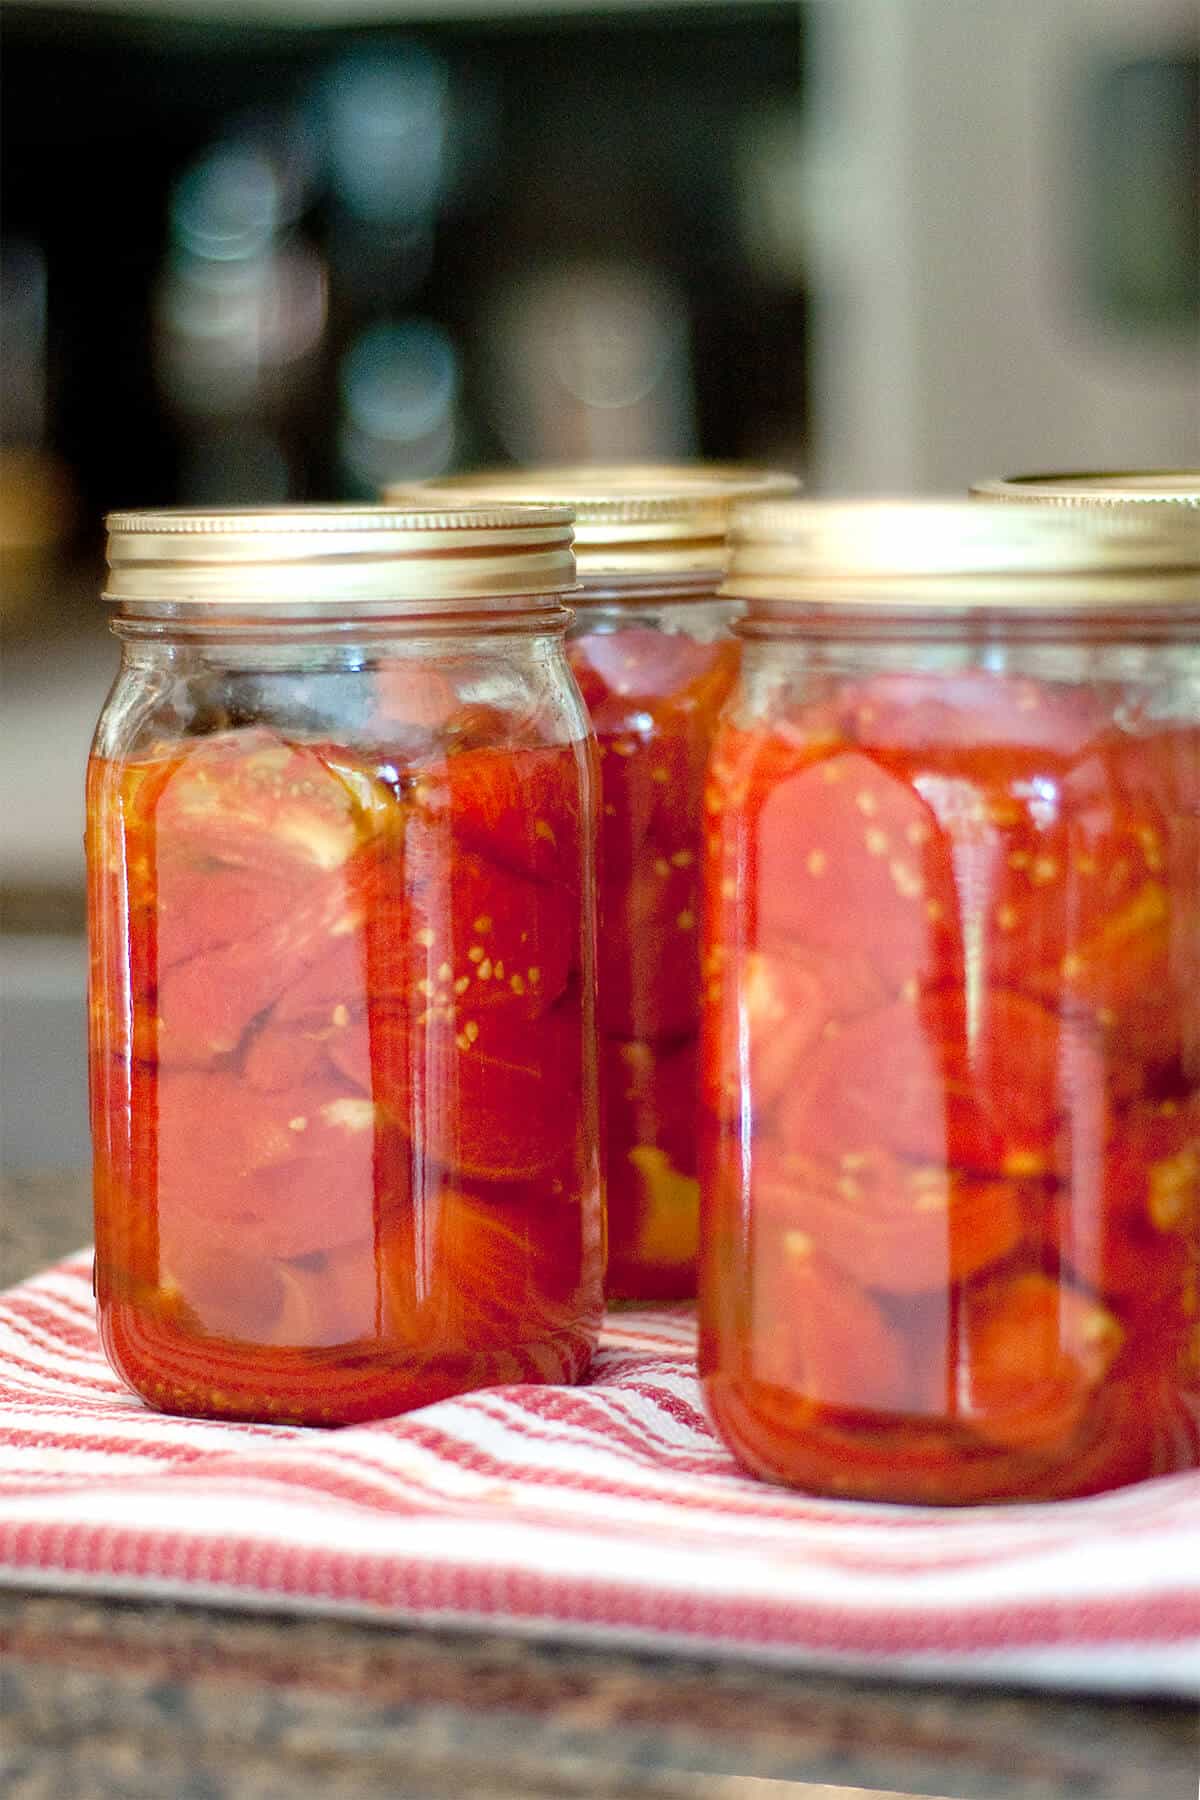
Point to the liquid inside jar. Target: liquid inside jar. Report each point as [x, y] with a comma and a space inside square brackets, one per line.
[341, 1063]
[653, 689]
[951, 1080]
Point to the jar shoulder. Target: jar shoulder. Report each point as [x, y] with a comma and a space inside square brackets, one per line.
[409, 701]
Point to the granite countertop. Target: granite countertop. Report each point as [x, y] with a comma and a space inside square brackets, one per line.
[106, 1698]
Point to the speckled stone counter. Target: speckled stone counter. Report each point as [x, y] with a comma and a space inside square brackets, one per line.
[105, 1698]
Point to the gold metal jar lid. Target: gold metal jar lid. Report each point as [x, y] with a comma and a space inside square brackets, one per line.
[1124, 487]
[957, 555]
[634, 519]
[324, 557]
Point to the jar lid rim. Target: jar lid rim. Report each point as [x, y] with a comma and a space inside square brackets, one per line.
[632, 518]
[339, 555]
[189, 521]
[960, 554]
[1096, 487]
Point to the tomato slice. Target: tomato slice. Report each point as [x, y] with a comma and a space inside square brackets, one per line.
[924, 1081]
[278, 1059]
[518, 808]
[249, 800]
[851, 858]
[1031, 1354]
[653, 698]
[639, 667]
[443, 933]
[1149, 1213]
[255, 843]
[745, 767]
[204, 912]
[277, 1174]
[490, 1096]
[1152, 1171]
[207, 1005]
[783, 1003]
[308, 1302]
[649, 973]
[894, 1227]
[1069, 897]
[453, 928]
[943, 712]
[818, 1333]
[412, 697]
[1071, 857]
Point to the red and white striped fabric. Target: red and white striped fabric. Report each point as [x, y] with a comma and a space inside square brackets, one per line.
[607, 1512]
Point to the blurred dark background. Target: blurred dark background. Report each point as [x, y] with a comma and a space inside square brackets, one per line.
[285, 263]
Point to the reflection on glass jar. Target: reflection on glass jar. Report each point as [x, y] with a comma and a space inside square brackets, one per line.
[951, 1035]
[340, 835]
[654, 657]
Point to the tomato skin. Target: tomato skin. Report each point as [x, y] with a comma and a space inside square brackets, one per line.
[502, 1105]
[915, 1081]
[820, 1335]
[249, 800]
[849, 858]
[207, 1004]
[631, 667]
[900, 1229]
[287, 1173]
[940, 713]
[519, 808]
[345, 1001]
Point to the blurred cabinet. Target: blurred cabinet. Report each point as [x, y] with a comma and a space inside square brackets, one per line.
[1000, 203]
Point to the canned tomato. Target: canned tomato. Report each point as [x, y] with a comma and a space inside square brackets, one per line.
[951, 1038]
[653, 653]
[340, 836]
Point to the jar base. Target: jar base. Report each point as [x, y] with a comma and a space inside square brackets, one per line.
[196, 1376]
[1135, 1433]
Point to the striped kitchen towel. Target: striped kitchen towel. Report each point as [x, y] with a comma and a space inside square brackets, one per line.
[607, 1512]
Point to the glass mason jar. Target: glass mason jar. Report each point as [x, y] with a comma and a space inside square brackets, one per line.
[341, 825]
[652, 651]
[951, 1039]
